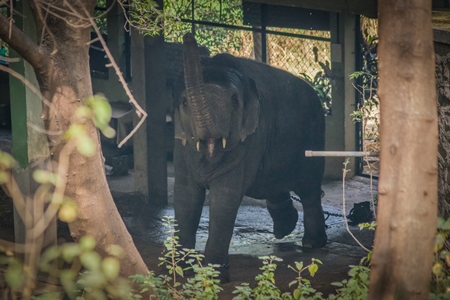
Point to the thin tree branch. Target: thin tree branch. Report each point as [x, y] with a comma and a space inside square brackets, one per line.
[26, 83]
[24, 46]
[141, 113]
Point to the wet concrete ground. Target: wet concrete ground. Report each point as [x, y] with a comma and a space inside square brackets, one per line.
[252, 234]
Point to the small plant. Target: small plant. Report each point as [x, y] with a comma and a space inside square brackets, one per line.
[357, 287]
[265, 282]
[304, 290]
[265, 288]
[322, 83]
[203, 285]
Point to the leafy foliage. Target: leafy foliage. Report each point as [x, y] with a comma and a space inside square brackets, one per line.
[368, 112]
[322, 83]
[203, 285]
[216, 39]
[441, 266]
[75, 266]
[357, 287]
[147, 17]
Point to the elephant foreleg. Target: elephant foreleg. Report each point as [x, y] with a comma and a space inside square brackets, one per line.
[188, 204]
[283, 213]
[313, 218]
[224, 205]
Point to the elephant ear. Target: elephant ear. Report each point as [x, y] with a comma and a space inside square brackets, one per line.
[251, 109]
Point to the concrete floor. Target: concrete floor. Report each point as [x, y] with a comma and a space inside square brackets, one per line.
[252, 234]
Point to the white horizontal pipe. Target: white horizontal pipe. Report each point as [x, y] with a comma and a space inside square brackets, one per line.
[310, 153]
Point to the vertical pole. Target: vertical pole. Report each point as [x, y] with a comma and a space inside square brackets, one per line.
[193, 18]
[257, 43]
[264, 12]
[359, 135]
[150, 159]
[340, 134]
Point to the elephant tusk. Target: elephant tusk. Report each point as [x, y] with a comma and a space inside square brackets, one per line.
[224, 142]
[198, 146]
[183, 141]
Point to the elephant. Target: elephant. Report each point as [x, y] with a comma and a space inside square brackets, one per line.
[242, 128]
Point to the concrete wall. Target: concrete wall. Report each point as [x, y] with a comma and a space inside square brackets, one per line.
[340, 129]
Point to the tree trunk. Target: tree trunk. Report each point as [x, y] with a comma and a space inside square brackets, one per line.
[61, 63]
[407, 211]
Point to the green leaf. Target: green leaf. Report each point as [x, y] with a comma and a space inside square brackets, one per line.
[108, 131]
[67, 212]
[179, 271]
[49, 255]
[440, 221]
[440, 239]
[14, 276]
[313, 268]
[275, 258]
[297, 294]
[6, 160]
[75, 130]
[83, 112]
[93, 279]
[292, 283]
[110, 267]
[338, 284]
[87, 243]
[101, 109]
[68, 278]
[4, 177]
[70, 251]
[446, 225]
[43, 176]
[91, 260]
[86, 146]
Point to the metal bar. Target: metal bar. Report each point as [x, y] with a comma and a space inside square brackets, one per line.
[303, 36]
[193, 18]
[264, 33]
[309, 153]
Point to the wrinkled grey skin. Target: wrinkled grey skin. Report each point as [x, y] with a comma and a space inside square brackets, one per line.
[241, 128]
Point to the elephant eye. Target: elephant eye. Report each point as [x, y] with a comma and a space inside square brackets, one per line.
[184, 101]
[235, 101]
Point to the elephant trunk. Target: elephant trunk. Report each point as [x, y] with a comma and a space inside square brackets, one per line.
[204, 120]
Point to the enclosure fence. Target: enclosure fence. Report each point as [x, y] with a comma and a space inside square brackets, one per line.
[250, 30]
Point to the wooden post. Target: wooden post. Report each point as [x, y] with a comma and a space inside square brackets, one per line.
[407, 204]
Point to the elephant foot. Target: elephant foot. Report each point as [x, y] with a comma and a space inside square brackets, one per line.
[284, 216]
[315, 240]
[224, 275]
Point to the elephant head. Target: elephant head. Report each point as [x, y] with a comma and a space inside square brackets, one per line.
[218, 106]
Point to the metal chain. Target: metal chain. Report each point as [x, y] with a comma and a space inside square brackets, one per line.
[327, 213]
